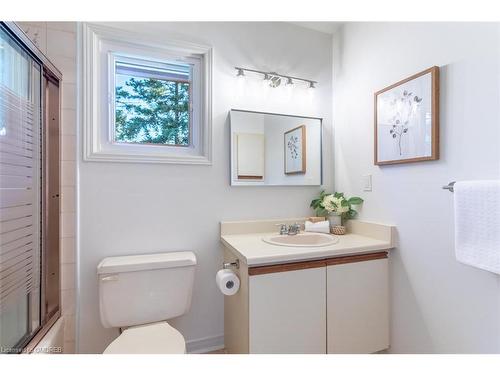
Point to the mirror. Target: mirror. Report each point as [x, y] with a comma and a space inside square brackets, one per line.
[275, 149]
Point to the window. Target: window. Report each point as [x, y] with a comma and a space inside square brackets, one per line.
[152, 103]
[144, 99]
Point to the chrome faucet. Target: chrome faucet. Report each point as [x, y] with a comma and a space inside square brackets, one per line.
[294, 229]
[283, 229]
[290, 230]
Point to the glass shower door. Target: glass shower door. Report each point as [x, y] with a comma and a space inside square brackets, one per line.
[20, 194]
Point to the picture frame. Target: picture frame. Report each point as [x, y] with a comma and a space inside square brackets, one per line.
[295, 150]
[406, 120]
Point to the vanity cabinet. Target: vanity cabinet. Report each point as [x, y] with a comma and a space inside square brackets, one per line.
[357, 304]
[287, 311]
[332, 305]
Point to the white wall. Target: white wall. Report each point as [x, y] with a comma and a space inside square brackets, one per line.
[141, 208]
[438, 305]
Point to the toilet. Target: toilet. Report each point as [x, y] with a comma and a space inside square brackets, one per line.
[138, 293]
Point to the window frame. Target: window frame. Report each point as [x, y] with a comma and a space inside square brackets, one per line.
[101, 47]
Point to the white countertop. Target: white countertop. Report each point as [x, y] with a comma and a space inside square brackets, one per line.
[250, 247]
[254, 251]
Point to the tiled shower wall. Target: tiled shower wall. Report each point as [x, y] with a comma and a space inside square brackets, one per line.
[57, 40]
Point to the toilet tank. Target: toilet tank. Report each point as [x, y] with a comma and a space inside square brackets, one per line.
[140, 289]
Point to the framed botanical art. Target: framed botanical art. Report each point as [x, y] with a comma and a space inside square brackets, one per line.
[407, 120]
[295, 150]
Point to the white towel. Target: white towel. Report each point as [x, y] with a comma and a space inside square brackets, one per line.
[477, 224]
[320, 226]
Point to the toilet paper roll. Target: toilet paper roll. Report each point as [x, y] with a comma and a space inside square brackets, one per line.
[228, 282]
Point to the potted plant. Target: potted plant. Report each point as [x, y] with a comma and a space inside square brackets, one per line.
[336, 207]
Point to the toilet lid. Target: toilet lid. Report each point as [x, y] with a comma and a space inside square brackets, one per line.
[156, 338]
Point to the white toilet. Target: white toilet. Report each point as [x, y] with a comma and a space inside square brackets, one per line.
[138, 293]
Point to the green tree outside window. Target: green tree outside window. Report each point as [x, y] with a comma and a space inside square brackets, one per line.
[152, 111]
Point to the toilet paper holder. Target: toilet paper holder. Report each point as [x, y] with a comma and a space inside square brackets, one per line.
[235, 264]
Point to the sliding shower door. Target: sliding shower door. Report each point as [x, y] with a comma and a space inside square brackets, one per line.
[20, 194]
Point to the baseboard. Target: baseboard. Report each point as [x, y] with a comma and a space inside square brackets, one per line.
[205, 345]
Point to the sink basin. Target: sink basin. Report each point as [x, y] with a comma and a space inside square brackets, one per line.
[302, 240]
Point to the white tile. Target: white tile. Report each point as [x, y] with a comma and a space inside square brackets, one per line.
[67, 67]
[69, 328]
[68, 202]
[23, 24]
[37, 32]
[69, 347]
[68, 224]
[68, 276]
[68, 96]
[68, 147]
[68, 250]
[68, 122]
[60, 43]
[68, 173]
[62, 26]
[68, 302]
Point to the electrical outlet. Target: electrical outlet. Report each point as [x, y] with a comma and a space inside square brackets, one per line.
[367, 182]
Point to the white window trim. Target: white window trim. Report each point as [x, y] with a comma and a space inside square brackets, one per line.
[195, 105]
[96, 109]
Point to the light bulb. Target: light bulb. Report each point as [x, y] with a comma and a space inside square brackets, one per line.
[241, 73]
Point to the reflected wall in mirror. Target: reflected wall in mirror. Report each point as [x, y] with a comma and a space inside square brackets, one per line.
[275, 149]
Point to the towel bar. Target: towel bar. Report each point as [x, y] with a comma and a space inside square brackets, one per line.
[450, 186]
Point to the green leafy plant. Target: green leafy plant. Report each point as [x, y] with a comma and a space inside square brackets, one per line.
[327, 204]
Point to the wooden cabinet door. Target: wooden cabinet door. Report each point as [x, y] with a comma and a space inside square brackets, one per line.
[358, 305]
[287, 311]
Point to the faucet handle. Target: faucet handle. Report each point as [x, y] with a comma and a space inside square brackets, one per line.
[283, 228]
[295, 228]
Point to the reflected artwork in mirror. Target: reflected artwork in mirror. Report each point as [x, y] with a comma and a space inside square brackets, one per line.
[275, 149]
[295, 150]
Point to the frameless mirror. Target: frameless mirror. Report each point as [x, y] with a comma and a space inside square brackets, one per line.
[275, 149]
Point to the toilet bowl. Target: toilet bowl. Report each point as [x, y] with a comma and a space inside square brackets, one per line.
[155, 338]
[160, 286]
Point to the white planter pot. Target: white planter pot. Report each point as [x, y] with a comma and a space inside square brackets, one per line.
[335, 220]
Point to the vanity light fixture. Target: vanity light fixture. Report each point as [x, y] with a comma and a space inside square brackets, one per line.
[274, 79]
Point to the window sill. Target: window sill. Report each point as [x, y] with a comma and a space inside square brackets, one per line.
[146, 158]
